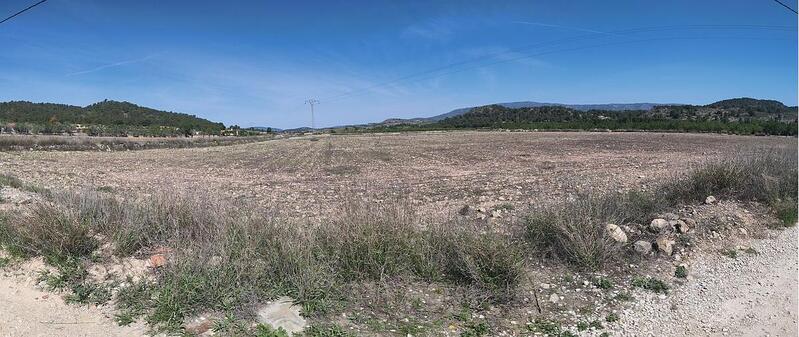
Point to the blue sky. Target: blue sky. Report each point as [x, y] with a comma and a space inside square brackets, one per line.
[255, 62]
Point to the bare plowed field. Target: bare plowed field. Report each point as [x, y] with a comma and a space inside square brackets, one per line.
[436, 172]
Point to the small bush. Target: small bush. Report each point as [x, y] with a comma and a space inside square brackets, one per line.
[651, 284]
[546, 327]
[326, 330]
[489, 261]
[268, 331]
[52, 233]
[681, 272]
[6, 180]
[611, 317]
[575, 231]
[475, 330]
[731, 253]
[603, 283]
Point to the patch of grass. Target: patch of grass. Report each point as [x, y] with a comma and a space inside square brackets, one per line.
[326, 330]
[475, 330]
[5, 262]
[132, 301]
[106, 189]
[651, 284]
[574, 230]
[730, 252]
[505, 207]
[268, 331]
[612, 317]
[50, 232]
[681, 272]
[597, 325]
[751, 251]
[14, 182]
[223, 256]
[582, 326]
[543, 326]
[10, 181]
[624, 297]
[785, 210]
[71, 276]
[602, 283]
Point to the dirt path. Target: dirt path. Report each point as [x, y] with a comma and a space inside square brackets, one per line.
[27, 311]
[751, 295]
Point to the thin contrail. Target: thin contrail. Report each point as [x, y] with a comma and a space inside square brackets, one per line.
[563, 27]
[111, 65]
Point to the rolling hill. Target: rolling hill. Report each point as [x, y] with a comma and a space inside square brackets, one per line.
[740, 115]
[528, 104]
[108, 114]
[105, 113]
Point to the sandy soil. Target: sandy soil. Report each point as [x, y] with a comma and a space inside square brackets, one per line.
[26, 310]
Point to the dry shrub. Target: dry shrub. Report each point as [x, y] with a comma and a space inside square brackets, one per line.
[53, 233]
[226, 257]
[575, 230]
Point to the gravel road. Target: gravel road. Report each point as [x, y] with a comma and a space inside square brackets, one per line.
[751, 295]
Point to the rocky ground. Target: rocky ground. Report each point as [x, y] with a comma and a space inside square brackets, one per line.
[753, 294]
[499, 175]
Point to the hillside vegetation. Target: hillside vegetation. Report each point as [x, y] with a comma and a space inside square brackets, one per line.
[109, 118]
[738, 116]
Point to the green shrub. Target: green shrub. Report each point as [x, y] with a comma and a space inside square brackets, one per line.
[681, 272]
[268, 331]
[475, 330]
[651, 284]
[602, 283]
[731, 253]
[546, 327]
[326, 330]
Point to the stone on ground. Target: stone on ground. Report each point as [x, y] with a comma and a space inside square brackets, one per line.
[282, 313]
[643, 247]
[616, 233]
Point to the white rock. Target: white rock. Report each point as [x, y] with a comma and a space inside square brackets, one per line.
[710, 200]
[616, 233]
[282, 313]
[658, 225]
[554, 298]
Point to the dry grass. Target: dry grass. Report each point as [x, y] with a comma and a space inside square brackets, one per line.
[575, 230]
[225, 257]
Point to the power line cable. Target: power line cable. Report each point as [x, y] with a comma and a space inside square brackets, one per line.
[23, 11]
[786, 6]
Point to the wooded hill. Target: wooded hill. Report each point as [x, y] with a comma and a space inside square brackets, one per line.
[113, 116]
[741, 116]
